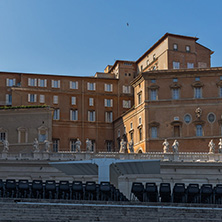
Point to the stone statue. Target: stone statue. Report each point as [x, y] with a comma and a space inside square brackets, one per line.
[220, 146]
[88, 145]
[47, 145]
[6, 146]
[36, 145]
[211, 146]
[131, 146]
[122, 146]
[175, 146]
[78, 145]
[198, 112]
[165, 146]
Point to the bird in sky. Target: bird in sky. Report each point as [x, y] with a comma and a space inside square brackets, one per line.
[127, 24]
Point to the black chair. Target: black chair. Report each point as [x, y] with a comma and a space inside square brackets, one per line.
[165, 192]
[37, 189]
[138, 190]
[179, 193]
[218, 194]
[77, 190]
[23, 189]
[151, 192]
[90, 190]
[11, 188]
[193, 193]
[105, 191]
[2, 188]
[206, 193]
[50, 189]
[64, 190]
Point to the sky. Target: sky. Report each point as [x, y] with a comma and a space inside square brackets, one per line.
[81, 37]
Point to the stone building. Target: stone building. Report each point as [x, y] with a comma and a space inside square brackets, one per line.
[146, 100]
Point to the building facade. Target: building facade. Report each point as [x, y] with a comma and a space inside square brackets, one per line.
[146, 100]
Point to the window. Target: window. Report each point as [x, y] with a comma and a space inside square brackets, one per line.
[153, 94]
[109, 117]
[131, 125]
[91, 102]
[73, 100]
[199, 130]
[42, 134]
[56, 114]
[2, 136]
[176, 131]
[187, 118]
[140, 121]
[154, 132]
[55, 83]
[118, 133]
[153, 80]
[175, 80]
[211, 117]
[190, 65]
[109, 145]
[42, 98]
[42, 82]
[8, 99]
[73, 145]
[197, 92]
[10, 82]
[147, 62]
[220, 91]
[55, 99]
[74, 115]
[140, 134]
[154, 56]
[92, 116]
[91, 86]
[126, 89]
[108, 87]
[32, 98]
[187, 48]
[197, 78]
[176, 93]
[108, 102]
[22, 135]
[175, 47]
[55, 145]
[73, 84]
[139, 95]
[176, 65]
[126, 104]
[93, 145]
[131, 135]
[32, 82]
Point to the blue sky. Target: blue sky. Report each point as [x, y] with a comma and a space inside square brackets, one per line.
[81, 37]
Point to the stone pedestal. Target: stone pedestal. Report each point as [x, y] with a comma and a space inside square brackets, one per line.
[37, 156]
[45, 155]
[167, 156]
[4, 155]
[211, 157]
[176, 157]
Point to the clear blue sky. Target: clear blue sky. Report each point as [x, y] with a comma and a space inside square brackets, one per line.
[81, 37]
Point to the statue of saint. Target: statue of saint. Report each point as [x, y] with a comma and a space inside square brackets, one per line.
[36, 145]
[6, 146]
[88, 145]
[220, 146]
[131, 146]
[47, 145]
[198, 112]
[165, 146]
[78, 145]
[175, 146]
[122, 146]
[211, 146]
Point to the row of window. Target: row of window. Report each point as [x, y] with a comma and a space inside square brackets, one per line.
[175, 47]
[176, 65]
[73, 148]
[91, 115]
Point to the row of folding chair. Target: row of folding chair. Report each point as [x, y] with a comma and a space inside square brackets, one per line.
[193, 193]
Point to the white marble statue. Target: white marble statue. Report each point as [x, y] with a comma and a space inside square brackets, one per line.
[165, 146]
[88, 145]
[47, 145]
[211, 146]
[6, 146]
[123, 146]
[36, 145]
[220, 146]
[175, 146]
[198, 112]
[131, 146]
[78, 145]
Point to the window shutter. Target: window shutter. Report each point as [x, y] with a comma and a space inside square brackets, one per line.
[45, 82]
[58, 83]
[39, 82]
[29, 81]
[88, 115]
[76, 84]
[129, 89]
[14, 82]
[71, 114]
[76, 114]
[7, 82]
[94, 115]
[88, 85]
[111, 116]
[111, 102]
[105, 102]
[35, 97]
[111, 87]
[123, 89]
[70, 84]
[7, 98]
[94, 86]
[28, 97]
[35, 82]
[105, 87]
[106, 116]
[52, 83]
[129, 103]
[58, 114]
